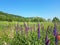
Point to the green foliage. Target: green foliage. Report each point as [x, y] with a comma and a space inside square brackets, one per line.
[55, 19]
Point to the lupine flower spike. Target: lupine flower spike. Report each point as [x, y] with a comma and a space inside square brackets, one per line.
[56, 40]
[26, 28]
[38, 31]
[47, 41]
[55, 30]
[55, 34]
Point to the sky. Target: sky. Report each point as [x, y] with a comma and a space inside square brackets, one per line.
[32, 8]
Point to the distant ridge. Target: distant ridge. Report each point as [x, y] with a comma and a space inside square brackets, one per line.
[11, 17]
[1, 12]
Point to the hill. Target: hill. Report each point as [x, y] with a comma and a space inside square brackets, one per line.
[11, 17]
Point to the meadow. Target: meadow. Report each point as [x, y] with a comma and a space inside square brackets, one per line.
[28, 33]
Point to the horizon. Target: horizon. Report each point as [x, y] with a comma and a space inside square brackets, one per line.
[47, 9]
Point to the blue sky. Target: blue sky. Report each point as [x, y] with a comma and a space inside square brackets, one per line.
[32, 8]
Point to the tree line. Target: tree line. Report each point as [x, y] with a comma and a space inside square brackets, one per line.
[12, 17]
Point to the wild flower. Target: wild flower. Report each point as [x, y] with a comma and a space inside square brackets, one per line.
[38, 30]
[55, 34]
[55, 30]
[17, 28]
[56, 40]
[26, 28]
[47, 41]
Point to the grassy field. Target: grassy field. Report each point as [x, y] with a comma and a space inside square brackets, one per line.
[16, 33]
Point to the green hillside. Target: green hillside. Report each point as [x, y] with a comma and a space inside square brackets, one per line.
[9, 17]
[12, 17]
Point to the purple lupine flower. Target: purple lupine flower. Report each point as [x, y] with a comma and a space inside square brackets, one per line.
[26, 28]
[56, 40]
[55, 30]
[55, 34]
[47, 40]
[38, 31]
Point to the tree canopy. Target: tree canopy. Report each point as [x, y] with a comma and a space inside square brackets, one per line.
[55, 19]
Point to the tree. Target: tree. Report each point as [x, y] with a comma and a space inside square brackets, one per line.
[55, 19]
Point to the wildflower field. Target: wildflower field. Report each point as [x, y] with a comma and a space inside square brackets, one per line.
[29, 33]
